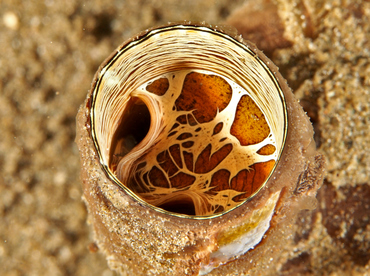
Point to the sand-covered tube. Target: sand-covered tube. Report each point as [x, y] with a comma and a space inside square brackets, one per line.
[195, 154]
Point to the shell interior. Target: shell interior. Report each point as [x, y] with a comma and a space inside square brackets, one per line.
[188, 120]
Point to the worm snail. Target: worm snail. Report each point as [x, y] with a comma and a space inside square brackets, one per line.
[191, 144]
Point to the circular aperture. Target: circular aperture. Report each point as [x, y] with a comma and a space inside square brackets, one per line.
[188, 120]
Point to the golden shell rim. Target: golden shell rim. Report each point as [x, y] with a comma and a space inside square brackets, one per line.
[136, 41]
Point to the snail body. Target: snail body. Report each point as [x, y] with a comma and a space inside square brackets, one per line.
[183, 140]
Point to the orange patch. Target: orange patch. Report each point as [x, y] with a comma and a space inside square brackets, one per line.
[250, 125]
[204, 95]
[252, 180]
[207, 162]
[159, 87]
[267, 150]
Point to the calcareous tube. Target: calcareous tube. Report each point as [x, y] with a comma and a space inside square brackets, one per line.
[195, 154]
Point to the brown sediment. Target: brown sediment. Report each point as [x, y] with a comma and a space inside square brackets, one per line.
[260, 22]
[43, 84]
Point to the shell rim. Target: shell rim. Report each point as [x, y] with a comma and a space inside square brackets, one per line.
[146, 35]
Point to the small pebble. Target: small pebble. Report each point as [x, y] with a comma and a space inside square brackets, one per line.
[11, 20]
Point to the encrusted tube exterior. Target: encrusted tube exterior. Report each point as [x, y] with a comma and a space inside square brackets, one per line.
[139, 239]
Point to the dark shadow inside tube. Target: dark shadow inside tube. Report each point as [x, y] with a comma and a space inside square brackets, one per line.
[134, 126]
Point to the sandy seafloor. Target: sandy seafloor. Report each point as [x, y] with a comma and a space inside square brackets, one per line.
[49, 53]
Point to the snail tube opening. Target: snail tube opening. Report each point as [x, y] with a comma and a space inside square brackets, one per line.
[192, 129]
